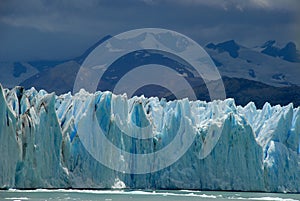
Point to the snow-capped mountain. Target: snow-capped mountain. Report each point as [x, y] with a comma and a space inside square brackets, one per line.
[267, 64]
[288, 53]
[275, 68]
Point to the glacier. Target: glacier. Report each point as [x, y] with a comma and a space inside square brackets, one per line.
[40, 146]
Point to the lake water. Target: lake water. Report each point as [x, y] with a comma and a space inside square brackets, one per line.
[124, 195]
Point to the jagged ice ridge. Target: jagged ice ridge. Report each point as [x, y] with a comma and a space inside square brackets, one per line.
[257, 150]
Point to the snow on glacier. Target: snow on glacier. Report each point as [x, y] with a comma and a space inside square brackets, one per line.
[254, 149]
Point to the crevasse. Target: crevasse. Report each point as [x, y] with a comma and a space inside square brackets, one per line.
[253, 149]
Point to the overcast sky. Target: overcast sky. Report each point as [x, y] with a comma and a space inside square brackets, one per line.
[58, 29]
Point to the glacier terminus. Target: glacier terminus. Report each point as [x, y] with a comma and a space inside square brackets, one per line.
[41, 147]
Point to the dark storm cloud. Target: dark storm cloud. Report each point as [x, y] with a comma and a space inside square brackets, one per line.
[60, 29]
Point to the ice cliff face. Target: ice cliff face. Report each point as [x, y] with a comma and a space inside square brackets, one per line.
[254, 150]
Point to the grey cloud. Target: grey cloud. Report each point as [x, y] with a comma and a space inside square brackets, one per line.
[60, 29]
[289, 5]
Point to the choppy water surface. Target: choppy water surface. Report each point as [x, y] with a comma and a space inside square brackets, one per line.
[124, 195]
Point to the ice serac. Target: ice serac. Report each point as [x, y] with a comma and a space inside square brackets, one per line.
[9, 147]
[30, 140]
[234, 147]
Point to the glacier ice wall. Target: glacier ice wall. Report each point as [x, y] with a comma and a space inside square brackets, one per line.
[255, 150]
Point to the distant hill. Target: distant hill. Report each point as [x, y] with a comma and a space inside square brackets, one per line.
[259, 74]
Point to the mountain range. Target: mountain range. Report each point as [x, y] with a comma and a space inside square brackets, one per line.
[265, 73]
